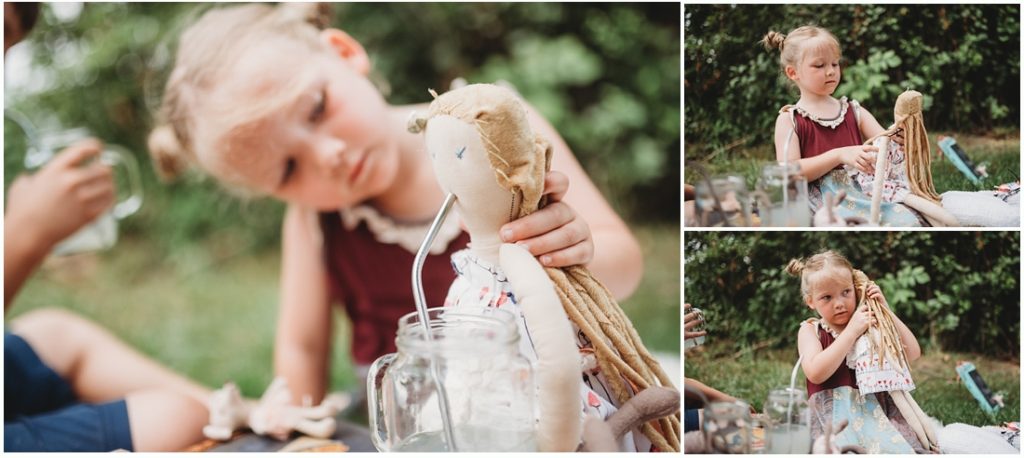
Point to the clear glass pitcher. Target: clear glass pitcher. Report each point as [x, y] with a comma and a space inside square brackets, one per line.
[788, 421]
[489, 384]
[782, 196]
[722, 201]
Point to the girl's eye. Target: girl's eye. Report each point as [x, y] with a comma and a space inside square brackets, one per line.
[826, 298]
[289, 169]
[321, 106]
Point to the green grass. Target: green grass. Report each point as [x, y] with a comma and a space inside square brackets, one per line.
[751, 375]
[208, 311]
[1000, 150]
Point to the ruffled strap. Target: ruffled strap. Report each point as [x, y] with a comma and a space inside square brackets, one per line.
[833, 123]
[407, 236]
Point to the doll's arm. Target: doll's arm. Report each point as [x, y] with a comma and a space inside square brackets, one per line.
[558, 359]
[617, 259]
[301, 345]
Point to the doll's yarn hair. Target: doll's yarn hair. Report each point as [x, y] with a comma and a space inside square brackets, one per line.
[909, 113]
[806, 268]
[886, 343]
[520, 160]
[794, 45]
[206, 51]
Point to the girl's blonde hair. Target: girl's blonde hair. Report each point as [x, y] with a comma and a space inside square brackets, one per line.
[207, 51]
[804, 268]
[793, 46]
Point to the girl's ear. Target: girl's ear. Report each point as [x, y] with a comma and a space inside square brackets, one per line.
[791, 72]
[348, 49]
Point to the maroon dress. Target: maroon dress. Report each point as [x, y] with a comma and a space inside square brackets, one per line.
[817, 135]
[373, 281]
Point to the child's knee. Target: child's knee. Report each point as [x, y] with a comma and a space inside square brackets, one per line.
[163, 420]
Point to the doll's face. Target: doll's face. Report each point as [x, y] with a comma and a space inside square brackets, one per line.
[462, 168]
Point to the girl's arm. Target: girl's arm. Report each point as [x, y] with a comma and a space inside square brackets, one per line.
[859, 156]
[302, 343]
[615, 256]
[819, 364]
[869, 126]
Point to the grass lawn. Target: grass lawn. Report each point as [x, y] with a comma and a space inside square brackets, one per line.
[209, 311]
[750, 375]
[1001, 150]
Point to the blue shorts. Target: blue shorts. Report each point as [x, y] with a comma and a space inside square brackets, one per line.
[691, 421]
[42, 414]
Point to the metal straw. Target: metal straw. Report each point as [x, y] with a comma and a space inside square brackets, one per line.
[421, 309]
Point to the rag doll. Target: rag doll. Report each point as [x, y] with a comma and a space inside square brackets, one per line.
[485, 153]
[881, 365]
[903, 166]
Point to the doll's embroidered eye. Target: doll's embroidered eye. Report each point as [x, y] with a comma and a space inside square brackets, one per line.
[460, 152]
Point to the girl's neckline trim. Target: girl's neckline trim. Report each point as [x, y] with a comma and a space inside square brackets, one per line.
[406, 235]
[831, 123]
[821, 323]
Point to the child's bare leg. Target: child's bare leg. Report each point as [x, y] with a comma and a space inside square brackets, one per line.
[164, 421]
[97, 364]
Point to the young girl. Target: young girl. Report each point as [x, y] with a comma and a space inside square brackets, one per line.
[264, 101]
[826, 283]
[828, 132]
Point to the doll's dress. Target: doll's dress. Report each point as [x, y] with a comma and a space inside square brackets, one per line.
[478, 283]
[897, 183]
[872, 375]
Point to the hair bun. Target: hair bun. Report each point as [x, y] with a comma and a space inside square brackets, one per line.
[317, 14]
[169, 157]
[795, 267]
[773, 40]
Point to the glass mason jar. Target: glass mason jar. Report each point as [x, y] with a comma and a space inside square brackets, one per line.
[728, 428]
[476, 359]
[788, 421]
[701, 326]
[782, 196]
[722, 201]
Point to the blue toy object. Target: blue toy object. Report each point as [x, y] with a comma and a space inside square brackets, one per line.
[989, 402]
[959, 158]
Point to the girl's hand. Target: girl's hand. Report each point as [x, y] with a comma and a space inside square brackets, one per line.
[555, 234]
[63, 195]
[874, 292]
[690, 321]
[860, 157]
[860, 321]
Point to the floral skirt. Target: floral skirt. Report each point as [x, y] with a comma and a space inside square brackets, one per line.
[857, 204]
[874, 421]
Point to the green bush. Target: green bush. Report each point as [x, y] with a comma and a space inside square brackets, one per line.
[956, 290]
[964, 58]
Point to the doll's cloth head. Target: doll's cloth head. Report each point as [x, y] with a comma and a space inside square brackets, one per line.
[519, 159]
[908, 104]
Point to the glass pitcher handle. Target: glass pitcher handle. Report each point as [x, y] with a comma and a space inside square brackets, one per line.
[374, 390]
[115, 156]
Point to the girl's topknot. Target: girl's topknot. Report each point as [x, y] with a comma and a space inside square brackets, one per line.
[795, 267]
[773, 40]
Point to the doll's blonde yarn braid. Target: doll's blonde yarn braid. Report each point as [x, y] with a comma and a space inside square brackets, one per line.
[886, 342]
[519, 161]
[909, 113]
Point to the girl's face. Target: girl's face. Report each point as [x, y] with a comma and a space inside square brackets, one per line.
[818, 72]
[326, 149]
[832, 295]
